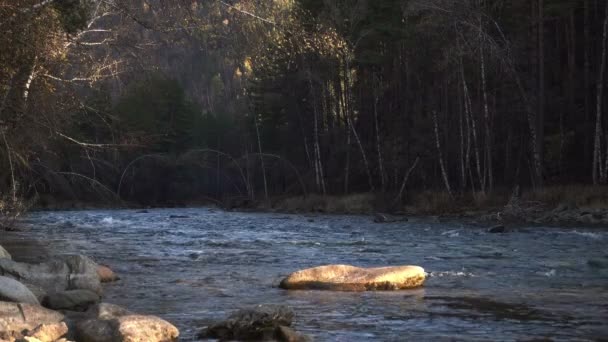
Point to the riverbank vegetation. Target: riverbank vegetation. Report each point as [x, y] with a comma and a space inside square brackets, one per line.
[428, 104]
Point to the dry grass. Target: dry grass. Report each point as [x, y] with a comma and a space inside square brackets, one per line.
[582, 196]
[440, 203]
[351, 204]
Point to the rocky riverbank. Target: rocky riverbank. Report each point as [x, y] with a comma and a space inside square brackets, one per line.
[59, 300]
[534, 213]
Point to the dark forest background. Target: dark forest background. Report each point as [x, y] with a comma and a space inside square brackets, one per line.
[172, 102]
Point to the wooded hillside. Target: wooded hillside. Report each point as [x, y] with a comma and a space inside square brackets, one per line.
[166, 102]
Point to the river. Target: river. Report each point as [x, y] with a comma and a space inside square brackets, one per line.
[196, 266]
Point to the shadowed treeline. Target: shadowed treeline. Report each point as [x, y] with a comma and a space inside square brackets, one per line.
[235, 102]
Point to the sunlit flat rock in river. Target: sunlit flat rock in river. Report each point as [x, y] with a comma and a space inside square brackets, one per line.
[351, 278]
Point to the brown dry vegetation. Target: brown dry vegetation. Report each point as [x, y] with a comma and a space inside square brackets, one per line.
[440, 203]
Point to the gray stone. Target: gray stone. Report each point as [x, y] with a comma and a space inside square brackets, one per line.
[70, 272]
[13, 291]
[4, 254]
[38, 291]
[75, 300]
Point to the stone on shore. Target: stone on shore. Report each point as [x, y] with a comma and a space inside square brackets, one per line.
[106, 275]
[13, 291]
[17, 317]
[287, 334]
[4, 254]
[70, 272]
[350, 278]
[49, 332]
[74, 300]
[113, 323]
[384, 218]
[263, 323]
[499, 229]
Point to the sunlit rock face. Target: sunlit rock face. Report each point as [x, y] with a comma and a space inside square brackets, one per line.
[16, 317]
[130, 328]
[351, 278]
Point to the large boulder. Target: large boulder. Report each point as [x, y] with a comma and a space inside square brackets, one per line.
[74, 300]
[4, 254]
[351, 278]
[13, 291]
[69, 272]
[111, 323]
[17, 317]
[262, 323]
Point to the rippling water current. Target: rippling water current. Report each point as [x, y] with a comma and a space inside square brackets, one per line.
[199, 267]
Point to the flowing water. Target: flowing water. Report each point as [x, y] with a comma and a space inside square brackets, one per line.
[196, 266]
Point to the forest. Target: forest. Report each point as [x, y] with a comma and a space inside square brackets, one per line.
[190, 101]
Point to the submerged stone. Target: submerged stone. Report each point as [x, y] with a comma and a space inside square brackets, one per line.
[262, 323]
[351, 278]
[497, 229]
[106, 275]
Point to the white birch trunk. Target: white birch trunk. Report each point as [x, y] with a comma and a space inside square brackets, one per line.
[440, 155]
[378, 142]
[257, 131]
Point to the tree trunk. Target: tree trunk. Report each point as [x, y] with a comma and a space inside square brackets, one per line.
[257, 132]
[345, 109]
[440, 156]
[378, 142]
[463, 177]
[597, 155]
[474, 130]
[15, 101]
[404, 182]
[317, 150]
[586, 78]
[363, 155]
[488, 134]
[541, 86]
